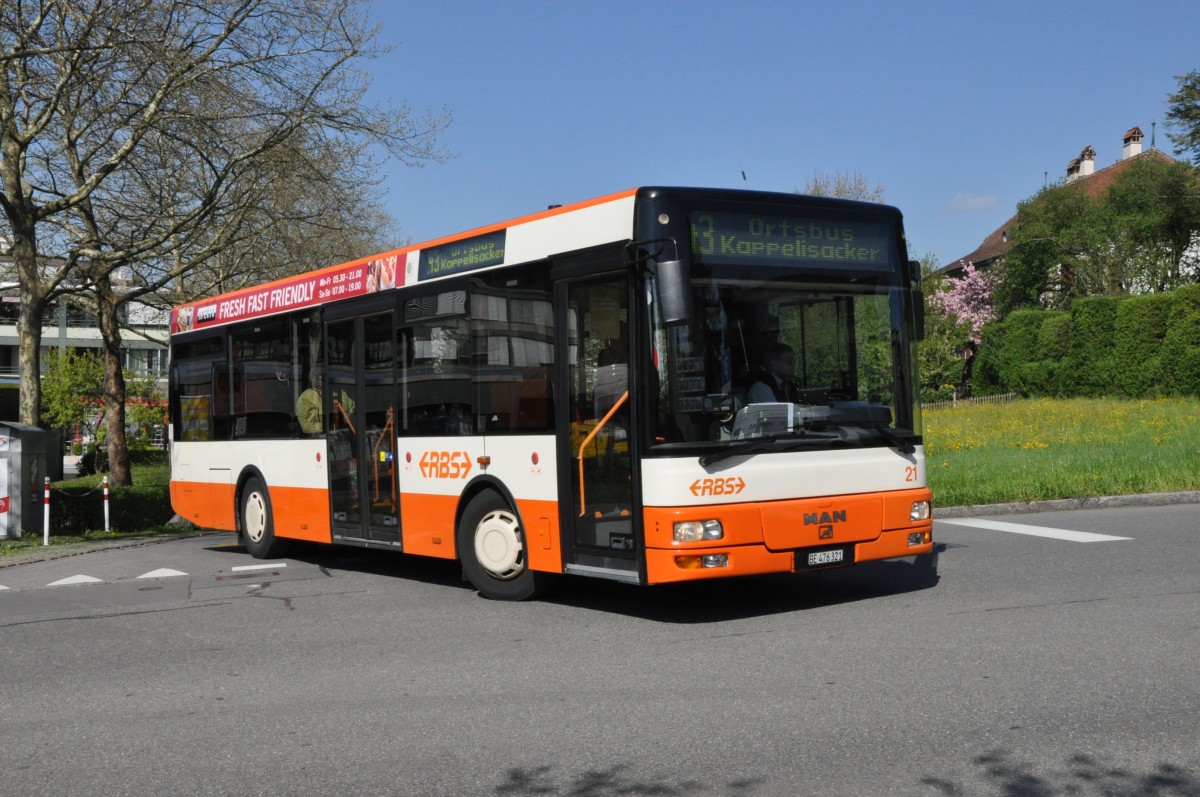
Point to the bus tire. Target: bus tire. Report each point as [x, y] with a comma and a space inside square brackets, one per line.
[258, 523]
[491, 548]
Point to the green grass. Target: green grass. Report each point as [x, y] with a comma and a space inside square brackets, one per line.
[1044, 449]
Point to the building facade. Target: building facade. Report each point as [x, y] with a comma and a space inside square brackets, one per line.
[71, 322]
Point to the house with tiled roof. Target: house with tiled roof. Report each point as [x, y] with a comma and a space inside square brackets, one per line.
[1081, 171]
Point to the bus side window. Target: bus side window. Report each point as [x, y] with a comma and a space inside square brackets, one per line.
[437, 383]
[513, 341]
[263, 390]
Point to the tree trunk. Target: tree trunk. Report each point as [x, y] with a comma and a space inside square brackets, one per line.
[119, 474]
[29, 324]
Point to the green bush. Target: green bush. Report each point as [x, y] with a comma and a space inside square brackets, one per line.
[1130, 346]
[1090, 367]
[78, 505]
[1140, 331]
[986, 379]
[1181, 346]
[1010, 358]
[1054, 346]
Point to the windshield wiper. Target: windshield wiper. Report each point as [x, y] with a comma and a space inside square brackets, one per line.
[899, 443]
[759, 445]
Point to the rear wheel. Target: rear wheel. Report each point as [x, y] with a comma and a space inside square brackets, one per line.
[257, 522]
[491, 547]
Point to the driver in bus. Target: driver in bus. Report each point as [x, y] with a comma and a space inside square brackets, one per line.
[775, 383]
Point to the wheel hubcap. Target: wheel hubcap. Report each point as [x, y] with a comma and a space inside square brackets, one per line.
[498, 546]
[256, 517]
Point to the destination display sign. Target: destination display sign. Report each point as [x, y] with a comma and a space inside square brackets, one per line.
[306, 290]
[766, 239]
[465, 255]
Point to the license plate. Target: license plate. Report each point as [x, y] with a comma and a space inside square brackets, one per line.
[817, 558]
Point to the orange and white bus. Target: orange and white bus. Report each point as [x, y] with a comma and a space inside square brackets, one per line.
[660, 385]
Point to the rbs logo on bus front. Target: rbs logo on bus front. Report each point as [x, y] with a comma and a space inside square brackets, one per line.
[445, 464]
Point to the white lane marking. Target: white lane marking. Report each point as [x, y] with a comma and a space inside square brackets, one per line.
[1034, 531]
[162, 572]
[63, 582]
[243, 568]
[3, 587]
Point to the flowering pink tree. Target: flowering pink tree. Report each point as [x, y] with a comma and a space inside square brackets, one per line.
[969, 300]
[966, 302]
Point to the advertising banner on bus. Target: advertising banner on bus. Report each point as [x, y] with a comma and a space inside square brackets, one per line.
[294, 293]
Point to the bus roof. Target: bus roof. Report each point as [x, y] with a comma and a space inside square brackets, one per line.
[592, 222]
[599, 220]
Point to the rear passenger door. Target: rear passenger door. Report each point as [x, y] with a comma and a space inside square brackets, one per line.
[360, 400]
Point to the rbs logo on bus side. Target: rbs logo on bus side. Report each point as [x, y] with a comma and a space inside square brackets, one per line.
[731, 485]
[445, 464]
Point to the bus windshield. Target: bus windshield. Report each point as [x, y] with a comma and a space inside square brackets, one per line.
[785, 356]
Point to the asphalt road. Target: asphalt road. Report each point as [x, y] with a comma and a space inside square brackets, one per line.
[1009, 664]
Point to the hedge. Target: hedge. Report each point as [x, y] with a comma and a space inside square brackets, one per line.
[1128, 346]
[78, 505]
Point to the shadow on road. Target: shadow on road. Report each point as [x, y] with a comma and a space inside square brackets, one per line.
[1082, 775]
[752, 596]
[999, 773]
[613, 781]
[695, 602]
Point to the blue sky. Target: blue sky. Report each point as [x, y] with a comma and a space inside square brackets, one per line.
[957, 109]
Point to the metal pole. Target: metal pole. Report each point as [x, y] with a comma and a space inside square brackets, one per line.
[106, 505]
[46, 515]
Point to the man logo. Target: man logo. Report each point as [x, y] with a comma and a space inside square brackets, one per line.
[819, 518]
[824, 522]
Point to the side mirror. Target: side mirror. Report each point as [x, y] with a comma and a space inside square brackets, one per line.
[674, 279]
[918, 300]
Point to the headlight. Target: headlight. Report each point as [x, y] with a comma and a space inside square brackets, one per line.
[696, 530]
[920, 511]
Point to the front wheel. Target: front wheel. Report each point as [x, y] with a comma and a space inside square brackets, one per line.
[257, 522]
[491, 547]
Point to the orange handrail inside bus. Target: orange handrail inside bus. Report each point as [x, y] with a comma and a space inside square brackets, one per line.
[582, 446]
[338, 408]
[384, 436]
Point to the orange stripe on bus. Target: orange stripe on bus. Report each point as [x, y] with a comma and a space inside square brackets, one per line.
[762, 537]
[208, 505]
[427, 524]
[744, 560]
[662, 566]
[791, 524]
[504, 225]
[299, 513]
[539, 519]
[427, 528]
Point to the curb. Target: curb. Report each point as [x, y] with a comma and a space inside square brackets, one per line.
[1095, 502]
[35, 555]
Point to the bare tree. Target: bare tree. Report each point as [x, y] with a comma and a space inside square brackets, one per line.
[843, 186]
[300, 208]
[144, 135]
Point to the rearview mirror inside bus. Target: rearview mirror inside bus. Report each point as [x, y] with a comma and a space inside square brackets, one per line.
[674, 292]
